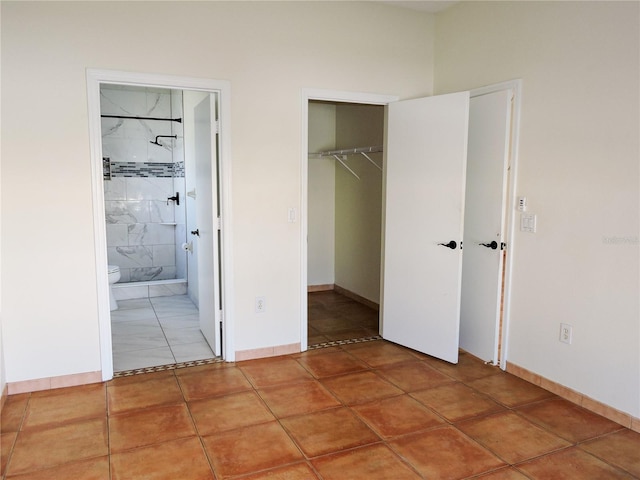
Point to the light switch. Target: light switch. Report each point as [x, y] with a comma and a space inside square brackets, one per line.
[528, 222]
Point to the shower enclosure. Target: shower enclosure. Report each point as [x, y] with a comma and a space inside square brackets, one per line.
[144, 187]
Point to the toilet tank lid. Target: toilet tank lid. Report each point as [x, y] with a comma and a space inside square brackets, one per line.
[112, 268]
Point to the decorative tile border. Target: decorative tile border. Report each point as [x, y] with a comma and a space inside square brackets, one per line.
[141, 169]
[337, 343]
[170, 366]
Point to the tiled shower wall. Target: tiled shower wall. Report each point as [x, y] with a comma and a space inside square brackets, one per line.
[143, 228]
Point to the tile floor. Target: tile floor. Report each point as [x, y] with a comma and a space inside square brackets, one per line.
[334, 317]
[370, 410]
[148, 332]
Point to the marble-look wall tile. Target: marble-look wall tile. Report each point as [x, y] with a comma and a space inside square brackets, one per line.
[164, 256]
[130, 257]
[161, 212]
[127, 212]
[149, 188]
[115, 189]
[147, 274]
[151, 234]
[117, 235]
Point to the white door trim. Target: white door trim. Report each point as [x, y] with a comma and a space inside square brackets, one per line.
[328, 96]
[94, 79]
[516, 87]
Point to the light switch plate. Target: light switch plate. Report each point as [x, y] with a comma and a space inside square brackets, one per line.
[528, 222]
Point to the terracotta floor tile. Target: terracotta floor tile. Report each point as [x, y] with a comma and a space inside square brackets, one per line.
[54, 407]
[397, 416]
[414, 376]
[329, 431]
[92, 469]
[571, 464]
[150, 393]
[379, 353]
[276, 371]
[13, 412]
[508, 473]
[250, 449]
[456, 401]
[138, 428]
[509, 390]
[219, 414]
[212, 383]
[620, 449]
[468, 367]
[568, 420]
[289, 400]
[511, 437]
[41, 448]
[444, 453]
[183, 459]
[300, 471]
[146, 377]
[334, 363]
[7, 440]
[360, 387]
[371, 463]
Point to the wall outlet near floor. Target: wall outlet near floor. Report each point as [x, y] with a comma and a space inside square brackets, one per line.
[261, 304]
[566, 333]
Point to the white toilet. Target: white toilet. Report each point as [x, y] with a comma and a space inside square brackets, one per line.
[114, 276]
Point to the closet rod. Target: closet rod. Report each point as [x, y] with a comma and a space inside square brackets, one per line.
[349, 151]
[179, 120]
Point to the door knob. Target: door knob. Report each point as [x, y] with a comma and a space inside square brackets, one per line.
[196, 232]
[493, 245]
[452, 245]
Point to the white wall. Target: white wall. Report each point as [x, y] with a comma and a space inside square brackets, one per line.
[268, 51]
[359, 202]
[578, 167]
[321, 192]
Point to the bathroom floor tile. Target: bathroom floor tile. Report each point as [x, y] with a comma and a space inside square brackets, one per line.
[220, 414]
[333, 363]
[211, 382]
[568, 420]
[360, 387]
[151, 357]
[445, 453]
[274, 371]
[184, 458]
[511, 437]
[138, 428]
[396, 416]
[456, 401]
[570, 464]
[379, 353]
[53, 407]
[173, 306]
[185, 352]
[156, 392]
[134, 303]
[329, 431]
[298, 399]
[130, 314]
[371, 463]
[510, 390]
[180, 322]
[620, 449]
[414, 375]
[41, 448]
[250, 449]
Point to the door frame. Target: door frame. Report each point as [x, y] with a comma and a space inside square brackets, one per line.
[510, 205]
[309, 94]
[95, 78]
[378, 99]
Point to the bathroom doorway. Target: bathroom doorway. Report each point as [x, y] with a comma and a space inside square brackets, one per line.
[161, 197]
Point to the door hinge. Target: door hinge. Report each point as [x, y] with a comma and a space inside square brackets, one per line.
[219, 223]
[216, 127]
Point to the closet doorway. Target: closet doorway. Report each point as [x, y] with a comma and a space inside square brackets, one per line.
[344, 214]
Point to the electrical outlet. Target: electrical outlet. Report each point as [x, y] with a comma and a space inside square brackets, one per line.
[566, 333]
[261, 304]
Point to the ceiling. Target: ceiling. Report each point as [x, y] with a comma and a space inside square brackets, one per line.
[423, 6]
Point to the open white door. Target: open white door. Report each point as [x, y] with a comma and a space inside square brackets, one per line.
[484, 223]
[207, 240]
[425, 186]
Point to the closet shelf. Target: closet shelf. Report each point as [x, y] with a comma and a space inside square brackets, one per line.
[350, 151]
